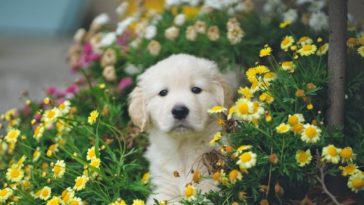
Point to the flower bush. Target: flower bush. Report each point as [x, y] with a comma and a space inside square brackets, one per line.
[78, 147]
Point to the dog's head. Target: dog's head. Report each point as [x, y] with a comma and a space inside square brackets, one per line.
[175, 94]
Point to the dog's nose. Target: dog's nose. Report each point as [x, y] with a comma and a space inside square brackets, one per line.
[180, 112]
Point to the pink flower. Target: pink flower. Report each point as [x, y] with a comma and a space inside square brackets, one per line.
[37, 117]
[125, 83]
[72, 89]
[124, 38]
[88, 56]
[26, 110]
[55, 92]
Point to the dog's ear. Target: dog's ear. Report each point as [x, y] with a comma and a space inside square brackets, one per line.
[137, 108]
[223, 91]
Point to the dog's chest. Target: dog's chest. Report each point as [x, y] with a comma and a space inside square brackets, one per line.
[175, 167]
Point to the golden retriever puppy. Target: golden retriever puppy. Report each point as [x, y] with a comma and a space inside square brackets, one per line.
[170, 103]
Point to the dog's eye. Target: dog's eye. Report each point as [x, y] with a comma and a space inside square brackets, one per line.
[163, 93]
[196, 90]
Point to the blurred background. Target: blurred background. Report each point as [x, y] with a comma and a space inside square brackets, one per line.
[34, 40]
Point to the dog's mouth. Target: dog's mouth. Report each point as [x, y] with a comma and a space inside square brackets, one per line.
[181, 127]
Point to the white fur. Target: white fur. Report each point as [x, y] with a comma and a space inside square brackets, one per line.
[177, 146]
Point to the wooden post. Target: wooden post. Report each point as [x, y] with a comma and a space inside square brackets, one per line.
[337, 61]
[337, 68]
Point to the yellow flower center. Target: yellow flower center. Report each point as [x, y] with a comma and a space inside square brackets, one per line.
[73, 202]
[293, 120]
[332, 151]
[45, 193]
[297, 128]
[37, 131]
[311, 132]
[307, 48]
[66, 196]
[358, 183]
[189, 191]
[302, 157]
[92, 153]
[57, 169]
[54, 201]
[346, 153]
[15, 173]
[51, 114]
[79, 182]
[244, 108]
[246, 157]
[3, 192]
[62, 106]
[286, 41]
[234, 174]
[349, 169]
[13, 134]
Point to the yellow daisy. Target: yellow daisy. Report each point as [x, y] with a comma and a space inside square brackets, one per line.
[215, 139]
[76, 201]
[243, 148]
[303, 157]
[283, 128]
[310, 133]
[347, 154]
[266, 51]
[323, 49]
[5, 194]
[252, 73]
[95, 163]
[44, 193]
[50, 116]
[295, 119]
[190, 191]
[247, 160]
[64, 107]
[12, 136]
[138, 202]
[247, 110]
[38, 132]
[266, 97]
[67, 194]
[217, 109]
[288, 66]
[36, 154]
[287, 42]
[356, 182]
[305, 40]
[118, 202]
[80, 182]
[52, 149]
[91, 153]
[246, 92]
[331, 154]
[54, 201]
[349, 169]
[307, 50]
[284, 24]
[146, 177]
[235, 175]
[351, 42]
[361, 51]
[59, 169]
[92, 117]
[14, 173]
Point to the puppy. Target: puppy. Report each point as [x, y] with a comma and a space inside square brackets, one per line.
[170, 103]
